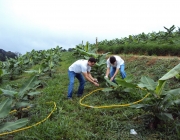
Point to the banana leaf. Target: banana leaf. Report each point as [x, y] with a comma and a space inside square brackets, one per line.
[8, 93]
[111, 83]
[123, 83]
[34, 93]
[164, 116]
[22, 104]
[107, 89]
[173, 72]
[27, 85]
[147, 83]
[161, 82]
[5, 107]
[9, 126]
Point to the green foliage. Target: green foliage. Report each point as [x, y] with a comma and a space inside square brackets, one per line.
[113, 123]
[1, 74]
[51, 60]
[158, 107]
[161, 43]
[148, 83]
[177, 77]
[46, 59]
[20, 98]
[5, 107]
[162, 104]
[86, 52]
[100, 67]
[9, 126]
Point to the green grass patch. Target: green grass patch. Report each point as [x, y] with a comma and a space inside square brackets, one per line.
[71, 121]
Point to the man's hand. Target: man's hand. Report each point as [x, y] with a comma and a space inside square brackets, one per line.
[111, 79]
[96, 84]
[106, 76]
[95, 80]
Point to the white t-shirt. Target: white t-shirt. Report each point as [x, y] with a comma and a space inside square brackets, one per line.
[80, 66]
[118, 63]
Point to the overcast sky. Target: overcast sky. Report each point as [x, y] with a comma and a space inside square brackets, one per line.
[44, 24]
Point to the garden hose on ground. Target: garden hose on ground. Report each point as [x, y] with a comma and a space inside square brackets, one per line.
[17, 130]
[108, 106]
[13, 111]
[80, 101]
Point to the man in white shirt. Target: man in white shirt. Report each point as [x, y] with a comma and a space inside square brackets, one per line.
[114, 64]
[80, 69]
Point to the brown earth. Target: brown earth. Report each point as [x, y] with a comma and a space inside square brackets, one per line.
[137, 56]
[151, 59]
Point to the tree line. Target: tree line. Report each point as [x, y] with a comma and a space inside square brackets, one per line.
[6, 54]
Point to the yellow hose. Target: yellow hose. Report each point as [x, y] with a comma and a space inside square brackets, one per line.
[108, 106]
[17, 130]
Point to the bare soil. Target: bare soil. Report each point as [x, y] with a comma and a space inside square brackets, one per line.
[158, 57]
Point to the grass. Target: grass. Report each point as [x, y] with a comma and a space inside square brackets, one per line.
[71, 121]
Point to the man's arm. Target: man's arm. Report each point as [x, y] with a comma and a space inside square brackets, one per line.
[89, 75]
[90, 78]
[116, 72]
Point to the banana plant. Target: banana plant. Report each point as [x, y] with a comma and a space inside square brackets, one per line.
[119, 84]
[85, 50]
[9, 66]
[170, 30]
[76, 50]
[21, 97]
[99, 69]
[161, 105]
[5, 107]
[51, 60]
[161, 82]
[14, 67]
[88, 51]
[20, 65]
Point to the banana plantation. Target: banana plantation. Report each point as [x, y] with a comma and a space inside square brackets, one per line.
[33, 91]
[156, 43]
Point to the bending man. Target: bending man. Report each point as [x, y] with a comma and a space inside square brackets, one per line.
[80, 69]
[114, 64]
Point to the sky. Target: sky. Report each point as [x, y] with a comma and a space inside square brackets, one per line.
[44, 24]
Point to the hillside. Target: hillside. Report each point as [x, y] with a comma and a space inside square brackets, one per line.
[74, 121]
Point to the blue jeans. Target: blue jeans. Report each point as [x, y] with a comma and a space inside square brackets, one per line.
[81, 79]
[121, 69]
